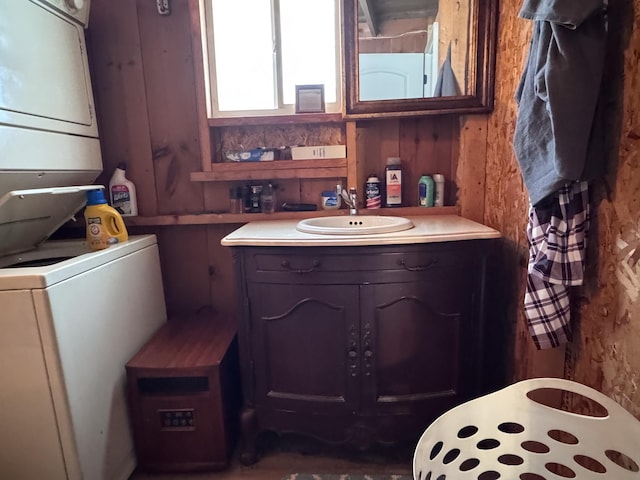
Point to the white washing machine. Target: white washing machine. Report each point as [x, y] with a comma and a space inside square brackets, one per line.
[70, 320]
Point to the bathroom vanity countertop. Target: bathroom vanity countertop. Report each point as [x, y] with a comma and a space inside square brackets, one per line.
[427, 229]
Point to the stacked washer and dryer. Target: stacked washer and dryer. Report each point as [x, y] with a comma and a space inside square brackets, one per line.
[69, 318]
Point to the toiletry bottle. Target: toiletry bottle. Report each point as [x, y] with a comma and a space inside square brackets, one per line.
[255, 205]
[372, 192]
[425, 191]
[393, 182]
[268, 199]
[246, 198]
[104, 223]
[122, 192]
[236, 202]
[438, 178]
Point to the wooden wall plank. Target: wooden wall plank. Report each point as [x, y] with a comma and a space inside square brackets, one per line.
[221, 271]
[171, 103]
[471, 173]
[216, 196]
[120, 94]
[426, 147]
[424, 144]
[355, 162]
[376, 140]
[185, 268]
[201, 76]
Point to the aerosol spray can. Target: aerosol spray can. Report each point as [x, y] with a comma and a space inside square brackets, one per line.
[438, 200]
[372, 191]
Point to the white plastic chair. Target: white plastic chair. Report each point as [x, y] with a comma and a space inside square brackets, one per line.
[507, 435]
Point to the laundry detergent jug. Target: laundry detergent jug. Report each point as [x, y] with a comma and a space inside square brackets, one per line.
[105, 225]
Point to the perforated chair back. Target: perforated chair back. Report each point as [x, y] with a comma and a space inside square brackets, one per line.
[507, 435]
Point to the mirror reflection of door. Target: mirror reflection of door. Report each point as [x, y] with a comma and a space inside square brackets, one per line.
[402, 46]
[388, 76]
[385, 76]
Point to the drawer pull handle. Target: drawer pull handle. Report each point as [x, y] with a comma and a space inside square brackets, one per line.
[417, 268]
[314, 264]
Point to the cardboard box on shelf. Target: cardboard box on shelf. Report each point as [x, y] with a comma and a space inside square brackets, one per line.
[318, 151]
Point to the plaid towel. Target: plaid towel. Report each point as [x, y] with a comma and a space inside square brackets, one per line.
[557, 233]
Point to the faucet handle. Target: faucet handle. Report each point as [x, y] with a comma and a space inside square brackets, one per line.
[353, 203]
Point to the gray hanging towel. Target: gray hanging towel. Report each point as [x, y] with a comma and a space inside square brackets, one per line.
[446, 84]
[558, 94]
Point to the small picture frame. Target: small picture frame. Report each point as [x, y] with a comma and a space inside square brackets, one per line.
[309, 98]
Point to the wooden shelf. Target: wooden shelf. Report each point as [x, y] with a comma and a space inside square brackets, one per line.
[296, 119]
[277, 169]
[240, 218]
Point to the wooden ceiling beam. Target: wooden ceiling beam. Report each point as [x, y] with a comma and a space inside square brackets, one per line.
[369, 15]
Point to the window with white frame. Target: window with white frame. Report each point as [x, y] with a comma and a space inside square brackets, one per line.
[259, 50]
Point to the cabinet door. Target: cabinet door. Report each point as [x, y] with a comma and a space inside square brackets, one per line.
[304, 346]
[418, 349]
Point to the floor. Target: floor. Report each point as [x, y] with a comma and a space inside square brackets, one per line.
[281, 457]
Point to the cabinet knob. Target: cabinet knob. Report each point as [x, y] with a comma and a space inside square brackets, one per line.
[352, 354]
[368, 353]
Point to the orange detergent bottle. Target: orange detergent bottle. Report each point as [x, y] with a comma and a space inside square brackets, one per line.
[104, 224]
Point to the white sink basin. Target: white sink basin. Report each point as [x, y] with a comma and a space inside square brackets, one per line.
[354, 225]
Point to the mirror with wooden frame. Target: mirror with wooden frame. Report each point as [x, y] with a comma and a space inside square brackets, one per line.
[419, 57]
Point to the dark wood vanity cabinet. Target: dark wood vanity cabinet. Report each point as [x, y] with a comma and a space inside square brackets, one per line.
[358, 345]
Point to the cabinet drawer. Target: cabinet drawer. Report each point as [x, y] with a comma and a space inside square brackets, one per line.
[269, 263]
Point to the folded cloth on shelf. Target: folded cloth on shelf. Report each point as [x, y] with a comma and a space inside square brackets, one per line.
[557, 232]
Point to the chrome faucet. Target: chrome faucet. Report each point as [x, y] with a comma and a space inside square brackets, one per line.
[351, 198]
